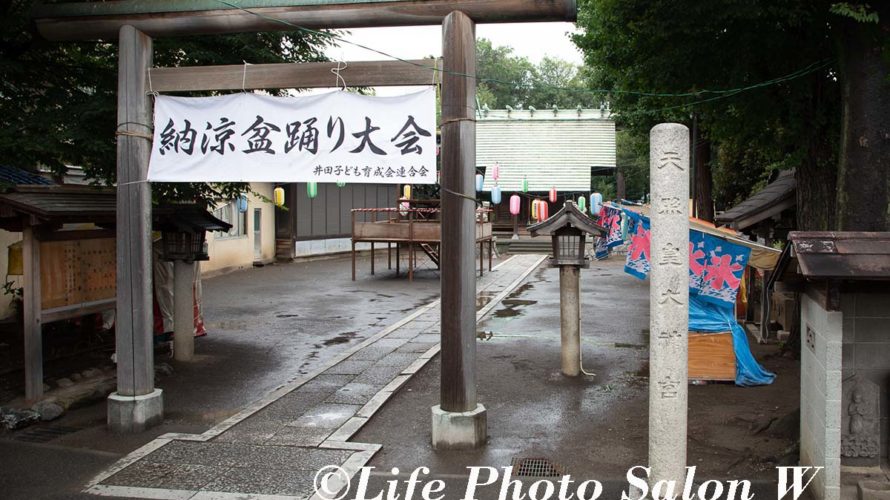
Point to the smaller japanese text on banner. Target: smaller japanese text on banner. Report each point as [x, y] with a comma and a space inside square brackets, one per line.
[330, 137]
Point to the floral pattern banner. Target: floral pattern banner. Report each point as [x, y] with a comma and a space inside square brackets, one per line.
[716, 266]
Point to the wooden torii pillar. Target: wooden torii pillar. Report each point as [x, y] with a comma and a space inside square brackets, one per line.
[137, 404]
[458, 421]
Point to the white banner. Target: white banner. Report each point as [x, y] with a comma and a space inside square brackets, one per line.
[330, 137]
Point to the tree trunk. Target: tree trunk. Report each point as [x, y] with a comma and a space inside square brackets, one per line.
[620, 184]
[863, 199]
[817, 173]
[704, 201]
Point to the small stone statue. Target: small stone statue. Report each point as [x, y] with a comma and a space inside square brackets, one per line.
[860, 432]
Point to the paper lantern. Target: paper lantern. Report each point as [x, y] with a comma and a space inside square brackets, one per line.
[582, 203]
[406, 192]
[543, 211]
[496, 172]
[312, 189]
[534, 209]
[341, 184]
[553, 195]
[242, 203]
[524, 185]
[514, 204]
[596, 203]
[278, 196]
[480, 180]
[404, 205]
[496, 195]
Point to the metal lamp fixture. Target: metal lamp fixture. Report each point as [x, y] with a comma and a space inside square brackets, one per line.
[187, 246]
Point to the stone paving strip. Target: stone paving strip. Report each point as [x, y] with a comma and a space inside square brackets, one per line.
[273, 448]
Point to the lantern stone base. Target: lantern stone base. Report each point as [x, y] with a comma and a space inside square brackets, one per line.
[132, 414]
[459, 430]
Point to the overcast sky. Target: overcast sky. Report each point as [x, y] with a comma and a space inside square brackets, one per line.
[532, 40]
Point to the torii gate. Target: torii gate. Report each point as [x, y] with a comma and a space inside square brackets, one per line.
[459, 421]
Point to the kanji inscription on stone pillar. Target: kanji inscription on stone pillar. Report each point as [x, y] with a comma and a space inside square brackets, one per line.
[669, 301]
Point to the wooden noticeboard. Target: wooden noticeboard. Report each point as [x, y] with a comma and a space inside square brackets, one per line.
[75, 272]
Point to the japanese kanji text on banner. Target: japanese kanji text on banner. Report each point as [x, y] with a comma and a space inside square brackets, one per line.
[330, 137]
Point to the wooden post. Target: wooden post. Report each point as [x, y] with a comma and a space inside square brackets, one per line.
[33, 327]
[136, 405]
[183, 310]
[372, 258]
[458, 422]
[458, 389]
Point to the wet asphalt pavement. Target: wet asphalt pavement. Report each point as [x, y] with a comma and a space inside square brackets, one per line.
[273, 324]
[533, 410]
[266, 327]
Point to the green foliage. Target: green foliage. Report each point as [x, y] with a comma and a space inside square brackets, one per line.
[58, 103]
[504, 79]
[857, 12]
[649, 48]
[509, 80]
[632, 155]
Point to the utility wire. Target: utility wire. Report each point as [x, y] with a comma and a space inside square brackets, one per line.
[721, 94]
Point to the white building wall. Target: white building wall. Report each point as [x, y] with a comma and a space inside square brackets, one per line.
[546, 148]
[233, 253]
[820, 395]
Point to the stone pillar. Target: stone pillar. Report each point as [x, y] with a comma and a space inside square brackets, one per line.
[669, 301]
[183, 310]
[570, 320]
[136, 405]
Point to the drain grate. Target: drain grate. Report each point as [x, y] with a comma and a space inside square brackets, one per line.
[43, 434]
[536, 467]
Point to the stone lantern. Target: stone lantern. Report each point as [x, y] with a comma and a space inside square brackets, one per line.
[569, 229]
[184, 231]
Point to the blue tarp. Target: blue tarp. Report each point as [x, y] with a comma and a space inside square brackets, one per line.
[707, 316]
[715, 271]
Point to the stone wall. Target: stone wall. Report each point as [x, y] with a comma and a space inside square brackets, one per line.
[820, 395]
[866, 347]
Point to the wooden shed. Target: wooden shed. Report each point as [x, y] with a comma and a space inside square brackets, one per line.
[69, 256]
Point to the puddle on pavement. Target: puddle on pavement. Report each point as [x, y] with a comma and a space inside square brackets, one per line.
[483, 298]
[624, 345]
[638, 378]
[343, 338]
[512, 305]
[520, 290]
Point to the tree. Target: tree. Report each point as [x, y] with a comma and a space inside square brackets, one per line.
[58, 102]
[559, 83]
[673, 50]
[503, 78]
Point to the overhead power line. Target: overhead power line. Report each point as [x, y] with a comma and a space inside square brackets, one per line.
[719, 94]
